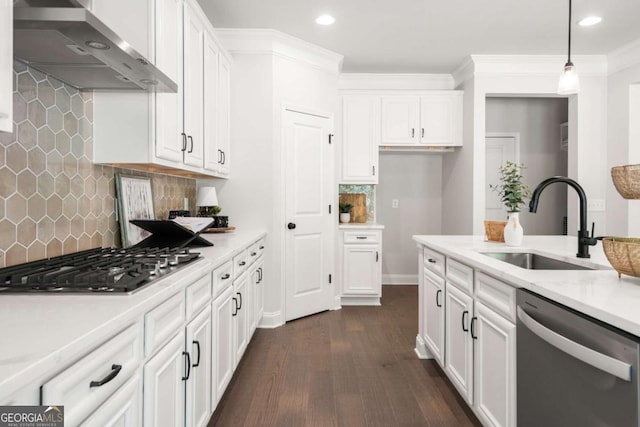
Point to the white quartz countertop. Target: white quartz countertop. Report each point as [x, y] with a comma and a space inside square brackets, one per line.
[597, 293]
[42, 332]
[361, 226]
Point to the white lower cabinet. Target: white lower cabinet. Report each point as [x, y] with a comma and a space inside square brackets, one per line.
[468, 327]
[361, 266]
[494, 367]
[433, 318]
[123, 409]
[164, 376]
[258, 293]
[240, 317]
[458, 341]
[224, 308]
[198, 393]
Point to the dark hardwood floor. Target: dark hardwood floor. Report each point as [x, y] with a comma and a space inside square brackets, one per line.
[350, 367]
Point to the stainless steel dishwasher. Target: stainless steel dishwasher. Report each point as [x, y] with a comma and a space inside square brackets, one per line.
[573, 370]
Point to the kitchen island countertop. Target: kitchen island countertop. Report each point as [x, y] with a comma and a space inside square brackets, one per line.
[598, 293]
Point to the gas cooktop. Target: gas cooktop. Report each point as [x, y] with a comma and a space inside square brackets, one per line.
[99, 270]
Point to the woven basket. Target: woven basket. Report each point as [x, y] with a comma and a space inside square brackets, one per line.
[627, 180]
[494, 230]
[623, 254]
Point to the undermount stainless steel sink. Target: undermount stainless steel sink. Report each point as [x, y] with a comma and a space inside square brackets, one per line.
[532, 261]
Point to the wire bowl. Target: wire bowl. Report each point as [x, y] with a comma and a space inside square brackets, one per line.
[494, 230]
[623, 254]
[627, 180]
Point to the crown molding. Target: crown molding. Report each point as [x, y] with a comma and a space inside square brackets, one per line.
[623, 57]
[267, 41]
[383, 81]
[464, 71]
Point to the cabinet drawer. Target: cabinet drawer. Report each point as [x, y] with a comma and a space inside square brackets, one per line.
[198, 296]
[123, 408]
[498, 295]
[163, 322]
[361, 237]
[222, 278]
[86, 384]
[253, 253]
[434, 261]
[460, 275]
[240, 263]
[261, 246]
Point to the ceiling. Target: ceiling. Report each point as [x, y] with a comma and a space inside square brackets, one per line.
[429, 36]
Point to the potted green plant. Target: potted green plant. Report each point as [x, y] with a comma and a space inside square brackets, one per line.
[345, 212]
[513, 193]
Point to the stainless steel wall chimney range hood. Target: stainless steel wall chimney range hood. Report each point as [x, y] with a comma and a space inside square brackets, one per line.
[72, 45]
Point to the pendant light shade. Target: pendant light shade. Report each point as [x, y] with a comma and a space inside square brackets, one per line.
[569, 83]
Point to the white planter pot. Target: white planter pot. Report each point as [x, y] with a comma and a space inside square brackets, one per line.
[345, 217]
[513, 232]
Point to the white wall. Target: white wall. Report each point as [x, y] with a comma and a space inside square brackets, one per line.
[623, 147]
[415, 179]
[537, 120]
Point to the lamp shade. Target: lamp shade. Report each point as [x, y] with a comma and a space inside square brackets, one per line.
[207, 196]
[568, 83]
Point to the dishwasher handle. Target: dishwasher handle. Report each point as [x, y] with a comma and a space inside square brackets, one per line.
[589, 356]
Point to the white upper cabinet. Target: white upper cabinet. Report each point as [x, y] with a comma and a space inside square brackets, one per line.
[426, 119]
[183, 133]
[6, 65]
[360, 139]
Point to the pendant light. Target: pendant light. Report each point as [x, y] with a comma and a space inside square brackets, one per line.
[569, 84]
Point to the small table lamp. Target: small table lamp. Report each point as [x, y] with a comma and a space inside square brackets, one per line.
[207, 200]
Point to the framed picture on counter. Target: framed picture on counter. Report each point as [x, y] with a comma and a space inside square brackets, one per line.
[135, 201]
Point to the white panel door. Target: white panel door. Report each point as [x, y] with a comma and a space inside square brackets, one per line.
[168, 53]
[458, 341]
[309, 225]
[210, 132]
[198, 397]
[164, 386]
[400, 120]
[494, 368]
[360, 139]
[193, 86]
[223, 315]
[361, 268]
[433, 317]
[439, 117]
[498, 151]
[122, 409]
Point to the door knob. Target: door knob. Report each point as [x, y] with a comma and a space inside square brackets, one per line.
[291, 226]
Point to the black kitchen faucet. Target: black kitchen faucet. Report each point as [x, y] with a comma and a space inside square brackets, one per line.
[584, 241]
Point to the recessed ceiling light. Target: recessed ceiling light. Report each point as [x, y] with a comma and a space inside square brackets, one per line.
[589, 20]
[325, 20]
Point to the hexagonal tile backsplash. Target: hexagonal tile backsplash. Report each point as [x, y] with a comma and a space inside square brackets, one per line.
[53, 199]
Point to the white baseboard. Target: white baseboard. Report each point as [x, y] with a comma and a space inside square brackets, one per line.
[399, 279]
[271, 320]
[360, 300]
[421, 349]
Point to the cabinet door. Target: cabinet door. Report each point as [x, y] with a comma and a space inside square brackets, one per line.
[123, 409]
[434, 315]
[168, 54]
[212, 155]
[494, 368]
[362, 272]
[240, 327]
[164, 385]
[458, 341]
[193, 86]
[259, 294]
[224, 310]
[224, 115]
[441, 119]
[361, 136]
[198, 396]
[400, 120]
[6, 67]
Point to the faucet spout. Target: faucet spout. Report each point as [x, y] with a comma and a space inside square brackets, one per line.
[583, 234]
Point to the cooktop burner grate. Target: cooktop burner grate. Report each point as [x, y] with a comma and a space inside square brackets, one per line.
[95, 271]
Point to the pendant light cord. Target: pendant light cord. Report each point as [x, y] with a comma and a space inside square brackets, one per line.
[569, 50]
